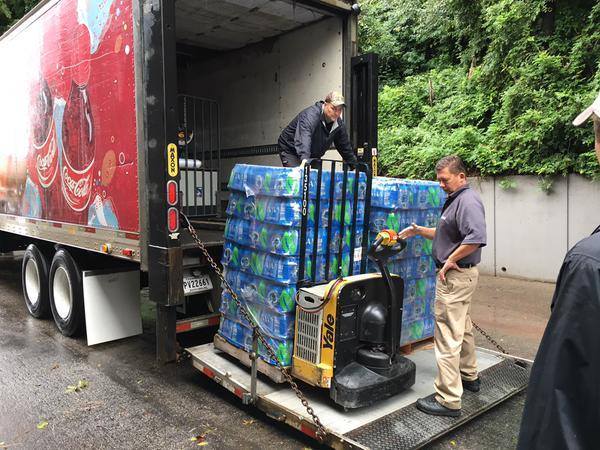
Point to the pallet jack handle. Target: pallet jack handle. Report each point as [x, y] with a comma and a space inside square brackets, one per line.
[386, 245]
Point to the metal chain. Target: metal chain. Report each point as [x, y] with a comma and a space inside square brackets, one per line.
[489, 338]
[321, 431]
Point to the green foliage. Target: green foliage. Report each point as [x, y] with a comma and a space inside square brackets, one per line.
[507, 184]
[13, 10]
[497, 82]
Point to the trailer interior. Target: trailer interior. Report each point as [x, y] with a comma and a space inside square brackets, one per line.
[244, 70]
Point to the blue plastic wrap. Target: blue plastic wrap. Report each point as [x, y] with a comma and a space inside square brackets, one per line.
[286, 182]
[287, 211]
[241, 336]
[277, 296]
[283, 269]
[409, 268]
[277, 325]
[417, 330]
[419, 288]
[285, 240]
[393, 193]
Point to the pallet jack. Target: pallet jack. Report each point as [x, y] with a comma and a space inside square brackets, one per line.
[347, 333]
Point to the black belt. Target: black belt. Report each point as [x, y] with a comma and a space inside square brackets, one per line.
[460, 265]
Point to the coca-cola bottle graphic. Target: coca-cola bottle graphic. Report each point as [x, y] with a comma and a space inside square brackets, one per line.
[79, 149]
[43, 141]
[43, 134]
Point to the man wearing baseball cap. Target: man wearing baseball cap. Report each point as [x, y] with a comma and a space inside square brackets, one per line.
[314, 130]
[562, 409]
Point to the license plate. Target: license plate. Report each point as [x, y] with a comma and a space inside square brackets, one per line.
[193, 285]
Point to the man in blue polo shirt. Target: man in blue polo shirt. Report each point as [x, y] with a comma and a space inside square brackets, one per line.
[457, 242]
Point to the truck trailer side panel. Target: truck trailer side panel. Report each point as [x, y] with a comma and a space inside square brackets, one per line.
[68, 132]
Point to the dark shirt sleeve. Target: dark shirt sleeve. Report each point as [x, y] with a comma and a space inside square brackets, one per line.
[342, 144]
[470, 218]
[304, 132]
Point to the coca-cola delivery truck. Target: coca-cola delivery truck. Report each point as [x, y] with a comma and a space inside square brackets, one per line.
[117, 115]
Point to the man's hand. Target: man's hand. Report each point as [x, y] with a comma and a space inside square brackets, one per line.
[410, 231]
[448, 266]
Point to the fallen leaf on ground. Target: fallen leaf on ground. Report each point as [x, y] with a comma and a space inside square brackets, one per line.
[202, 444]
[42, 425]
[140, 381]
[453, 443]
[81, 384]
[55, 366]
[248, 422]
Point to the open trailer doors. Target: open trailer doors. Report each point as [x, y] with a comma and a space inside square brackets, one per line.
[363, 107]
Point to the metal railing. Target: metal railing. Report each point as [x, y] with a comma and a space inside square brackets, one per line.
[199, 155]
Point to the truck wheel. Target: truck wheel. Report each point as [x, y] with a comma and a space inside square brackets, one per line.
[34, 277]
[66, 293]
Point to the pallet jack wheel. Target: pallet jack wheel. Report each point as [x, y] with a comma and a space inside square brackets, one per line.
[34, 277]
[66, 294]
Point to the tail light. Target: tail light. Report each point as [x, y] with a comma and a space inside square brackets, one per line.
[173, 220]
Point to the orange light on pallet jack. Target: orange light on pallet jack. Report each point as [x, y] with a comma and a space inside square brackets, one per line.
[388, 237]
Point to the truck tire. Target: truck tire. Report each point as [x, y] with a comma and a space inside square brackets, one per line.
[34, 278]
[66, 294]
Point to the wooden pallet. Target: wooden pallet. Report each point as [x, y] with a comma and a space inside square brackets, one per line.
[242, 356]
[417, 345]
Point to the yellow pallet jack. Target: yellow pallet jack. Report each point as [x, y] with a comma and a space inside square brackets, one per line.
[347, 333]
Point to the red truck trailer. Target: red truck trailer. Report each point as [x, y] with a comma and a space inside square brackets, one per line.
[118, 114]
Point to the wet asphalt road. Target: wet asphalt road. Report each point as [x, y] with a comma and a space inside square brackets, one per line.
[131, 402]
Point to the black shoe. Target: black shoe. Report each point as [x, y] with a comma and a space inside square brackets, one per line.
[430, 405]
[473, 385]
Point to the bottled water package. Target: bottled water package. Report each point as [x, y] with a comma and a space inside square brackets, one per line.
[274, 267]
[409, 268]
[393, 193]
[277, 325]
[281, 240]
[278, 297]
[417, 330]
[287, 182]
[419, 288]
[241, 336]
[287, 211]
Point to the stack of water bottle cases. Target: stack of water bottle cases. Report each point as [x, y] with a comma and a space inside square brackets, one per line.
[262, 247]
[396, 204]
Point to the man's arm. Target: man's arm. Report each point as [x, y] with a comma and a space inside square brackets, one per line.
[303, 136]
[461, 252]
[417, 230]
[342, 144]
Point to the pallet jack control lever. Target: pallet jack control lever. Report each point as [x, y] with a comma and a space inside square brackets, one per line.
[386, 245]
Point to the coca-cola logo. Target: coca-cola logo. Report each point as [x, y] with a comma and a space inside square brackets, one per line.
[77, 186]
[47, 164]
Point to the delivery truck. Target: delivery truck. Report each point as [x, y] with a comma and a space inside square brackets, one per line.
[117, 116]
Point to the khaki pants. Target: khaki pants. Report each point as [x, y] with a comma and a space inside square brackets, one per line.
[454, 342]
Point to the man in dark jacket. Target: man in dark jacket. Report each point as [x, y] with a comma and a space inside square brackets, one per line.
[312, 132]
[562, 409]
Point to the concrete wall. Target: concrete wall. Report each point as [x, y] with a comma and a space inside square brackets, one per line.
[529, 231]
